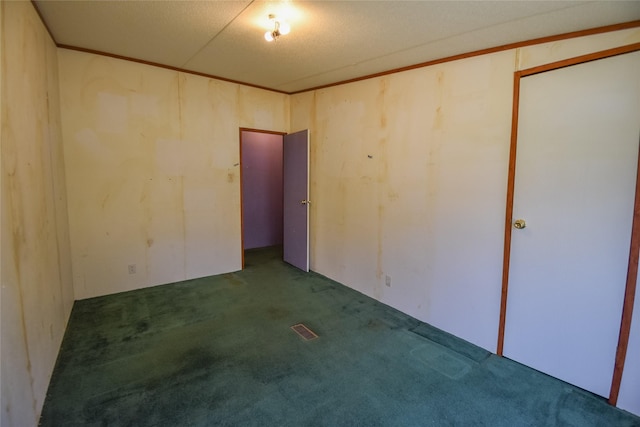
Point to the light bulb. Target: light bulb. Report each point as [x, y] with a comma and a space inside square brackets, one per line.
[284, 28]
[268, 36]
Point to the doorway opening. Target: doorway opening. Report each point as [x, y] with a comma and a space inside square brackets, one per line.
[274, 181]
[261, 162]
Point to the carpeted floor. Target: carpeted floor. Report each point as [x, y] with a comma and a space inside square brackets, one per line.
[219, 351]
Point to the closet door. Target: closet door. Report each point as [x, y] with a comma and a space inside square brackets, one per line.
[577, 154]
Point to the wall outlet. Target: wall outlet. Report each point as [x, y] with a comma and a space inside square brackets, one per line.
[387, 280]
[132, 269]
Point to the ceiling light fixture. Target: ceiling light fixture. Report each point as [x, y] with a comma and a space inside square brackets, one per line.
[280, 28]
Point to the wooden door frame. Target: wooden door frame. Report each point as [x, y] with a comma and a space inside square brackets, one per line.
[634, 250]
[242, 129]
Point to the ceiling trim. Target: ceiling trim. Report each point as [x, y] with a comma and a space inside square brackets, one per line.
[168, 67]
[634, 47]
[35, 6]
[564, 36]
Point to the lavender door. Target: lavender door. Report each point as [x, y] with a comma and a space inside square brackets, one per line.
[296, 200]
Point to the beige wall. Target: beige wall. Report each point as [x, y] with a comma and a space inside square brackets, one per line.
[152, 170]
[36, 277]
[408, 180]
[427, 209]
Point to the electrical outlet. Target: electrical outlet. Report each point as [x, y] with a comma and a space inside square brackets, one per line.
[387, 280]
[132, 269]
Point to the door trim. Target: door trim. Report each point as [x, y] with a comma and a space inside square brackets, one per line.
[272, 132]
[629, 296]
[632, 271]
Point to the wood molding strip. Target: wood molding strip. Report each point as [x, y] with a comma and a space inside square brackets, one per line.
[564, 36]
[629, 296]
[240, 175]
[581, 59]
[509, 211]
[167, 67]
[541, 40]
[35, 6]
[272, 132]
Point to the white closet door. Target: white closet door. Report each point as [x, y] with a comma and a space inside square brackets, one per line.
[577, 153]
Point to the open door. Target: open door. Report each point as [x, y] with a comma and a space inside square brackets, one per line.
[296, 199]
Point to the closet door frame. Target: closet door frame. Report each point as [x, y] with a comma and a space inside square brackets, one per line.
[634, 250]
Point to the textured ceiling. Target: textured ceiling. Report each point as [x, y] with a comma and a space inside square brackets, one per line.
[330, 41]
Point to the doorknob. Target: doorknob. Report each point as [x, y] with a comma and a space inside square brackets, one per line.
[519, 224]
[303, 202]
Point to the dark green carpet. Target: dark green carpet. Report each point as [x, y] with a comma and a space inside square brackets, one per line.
[220, 351]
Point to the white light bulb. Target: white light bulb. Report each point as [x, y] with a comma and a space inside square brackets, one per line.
[284, 28]
[268, 36]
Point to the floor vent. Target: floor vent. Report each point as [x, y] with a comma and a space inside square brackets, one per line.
[304, 332]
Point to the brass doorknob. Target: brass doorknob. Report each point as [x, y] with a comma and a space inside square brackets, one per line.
[519, 224]
[303, 202]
